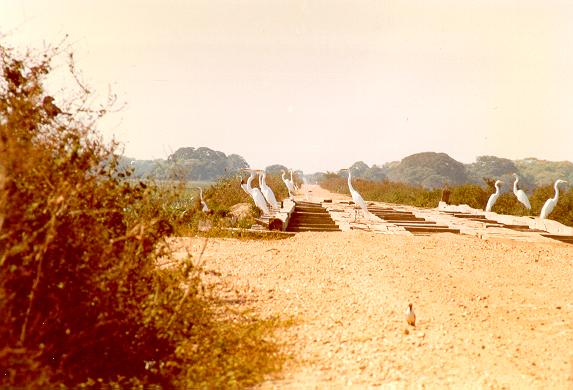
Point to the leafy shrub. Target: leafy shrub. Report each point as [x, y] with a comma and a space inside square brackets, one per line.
[470, 194]
[180, 205]
[81, 295]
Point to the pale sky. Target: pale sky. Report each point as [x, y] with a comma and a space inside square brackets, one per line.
[318, 85]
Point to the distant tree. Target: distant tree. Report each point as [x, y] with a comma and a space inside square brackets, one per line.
[361, 170]
[543, 172]
[236, 162]
[375, 173]
[428, 169]
[276, 168]
[490, 166]
[188, 163]
[317, 177]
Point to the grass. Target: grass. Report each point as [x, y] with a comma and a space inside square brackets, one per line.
[181, 205]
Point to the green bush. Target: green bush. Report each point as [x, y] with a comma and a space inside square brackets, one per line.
[470, 194]
[81, 295]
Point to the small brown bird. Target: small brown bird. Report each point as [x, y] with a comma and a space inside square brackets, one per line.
[410, 315]
[51, 109]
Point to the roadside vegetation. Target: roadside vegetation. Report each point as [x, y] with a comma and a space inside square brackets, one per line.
[470, 194]
[83, 301]
[181, 206]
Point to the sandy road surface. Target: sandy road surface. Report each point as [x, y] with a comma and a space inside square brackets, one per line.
[490, 313]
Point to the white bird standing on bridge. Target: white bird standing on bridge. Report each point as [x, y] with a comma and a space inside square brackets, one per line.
[292, 181]
[356, 197]
[493, 197]
[551, 202]
[289, 184]
[520, 194]
[205, 208]
[267, 191]
[256, 194]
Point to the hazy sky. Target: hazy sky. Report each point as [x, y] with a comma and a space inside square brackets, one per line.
[318, 85]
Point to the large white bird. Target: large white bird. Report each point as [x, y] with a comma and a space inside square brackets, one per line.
[267, 191]
[520, 194]
[289, 184]
[551, 202]
[256, 194]
[493, 197]
[292, 181]
[356, 197]
[205, 208]
[244, 184]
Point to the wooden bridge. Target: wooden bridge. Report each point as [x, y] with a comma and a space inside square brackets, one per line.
[315, 209]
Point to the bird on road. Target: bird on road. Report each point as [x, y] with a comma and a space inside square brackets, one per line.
[267, 191]
[292, 181]
[356, 197]
[410, 315]
[493, 197]
[520, 194]
[289, 184]
[551, 202]
[256, 193]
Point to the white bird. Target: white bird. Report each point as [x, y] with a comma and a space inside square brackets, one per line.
[267, 191]
[256, 194]
[292, 181]
[493, 197]
[356, 197]
[244, 185]
[205, 208]
[288, 184]
[410, 315]
[520, 194]
[551, 202]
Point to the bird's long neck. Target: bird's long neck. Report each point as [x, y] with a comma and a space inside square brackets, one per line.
[201, 194]
[291, 175]
[556, 186]
[515, 184]
[350, 181]
[249, 181]
[261, 180]
[283, 175]
[497, 189]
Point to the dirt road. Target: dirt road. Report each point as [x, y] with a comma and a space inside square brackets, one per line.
[492, 313]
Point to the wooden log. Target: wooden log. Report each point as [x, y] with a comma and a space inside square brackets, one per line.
[275, 224]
